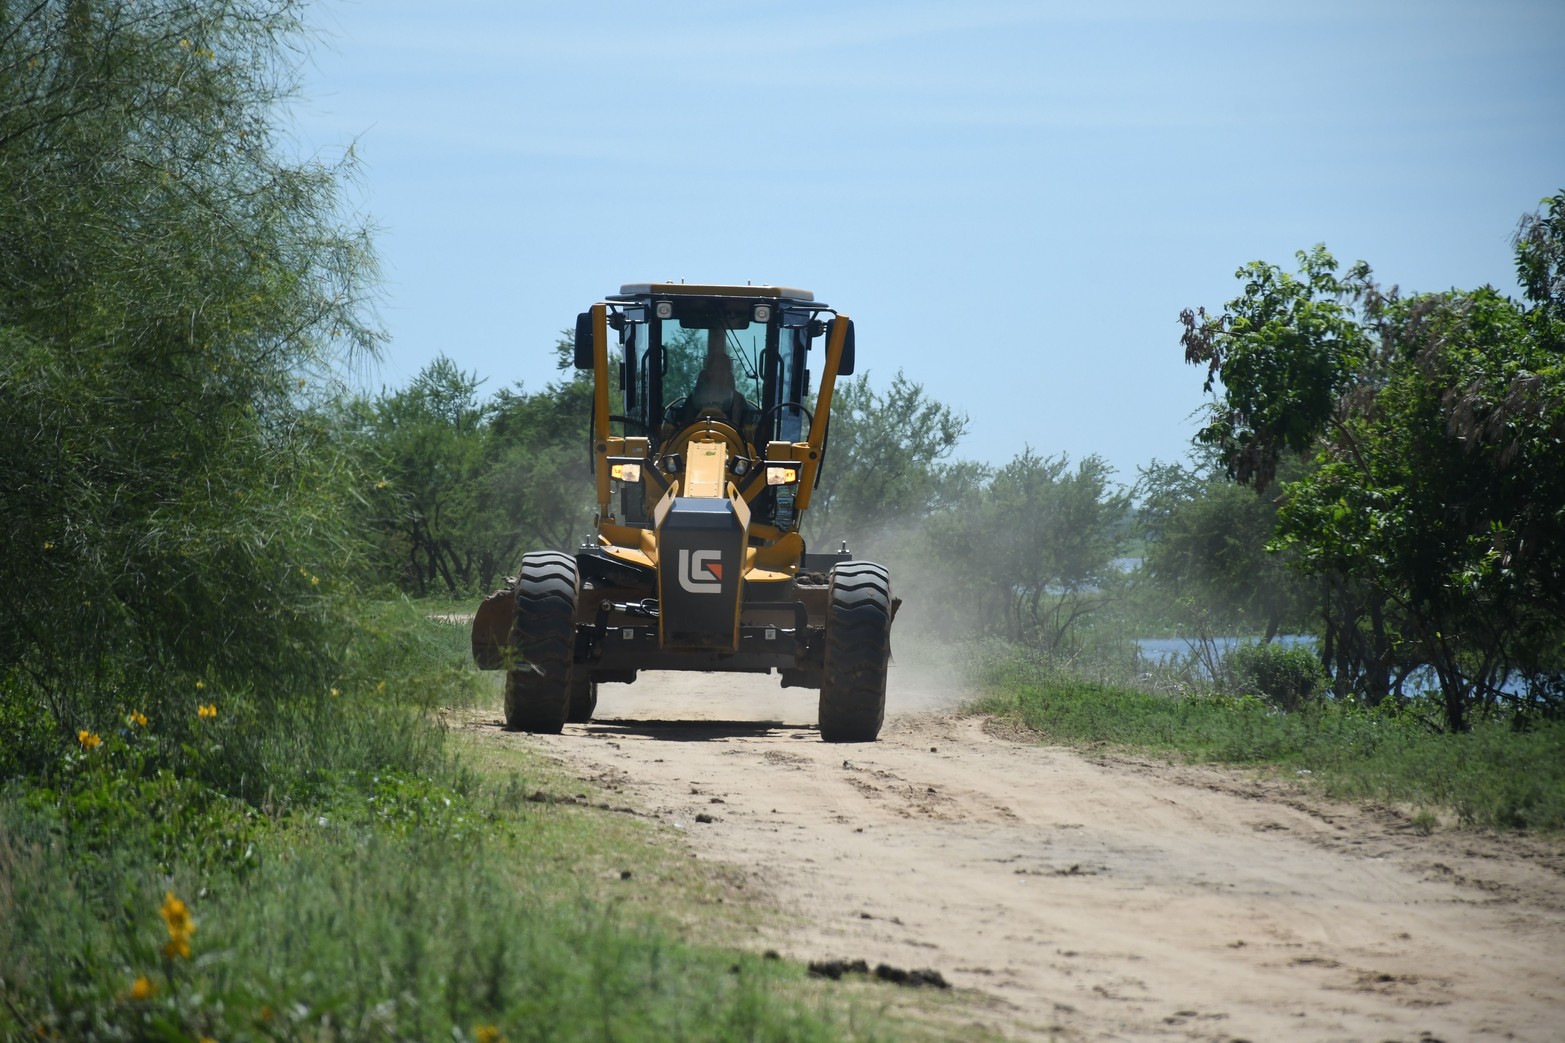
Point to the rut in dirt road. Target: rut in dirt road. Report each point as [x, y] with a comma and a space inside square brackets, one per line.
[1088, 899]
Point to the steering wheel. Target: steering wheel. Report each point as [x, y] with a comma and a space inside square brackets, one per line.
[646, 428]
[760, 424]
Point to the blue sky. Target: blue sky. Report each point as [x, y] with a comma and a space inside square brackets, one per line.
[1012, 200]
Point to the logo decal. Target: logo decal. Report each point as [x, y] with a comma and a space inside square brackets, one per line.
[701, 572]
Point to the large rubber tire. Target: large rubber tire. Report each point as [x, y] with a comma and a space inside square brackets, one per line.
[543, 636]
[584, 698]
[858, 647]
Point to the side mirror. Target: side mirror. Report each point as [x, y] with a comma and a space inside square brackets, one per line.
[845, 368]
[583, 341]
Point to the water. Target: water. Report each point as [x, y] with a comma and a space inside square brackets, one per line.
[1161, 650]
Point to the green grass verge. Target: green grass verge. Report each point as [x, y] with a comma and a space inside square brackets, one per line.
[1497, 776]
[376, 888]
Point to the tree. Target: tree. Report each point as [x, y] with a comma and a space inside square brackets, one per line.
[537, 491]
[887, 461]
[464, 484]
[1206, 552]
[1432, 516]
[1034, 547]
[426, 445]
[173, 297]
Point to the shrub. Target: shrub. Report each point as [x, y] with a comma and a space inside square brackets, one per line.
[1287, 678]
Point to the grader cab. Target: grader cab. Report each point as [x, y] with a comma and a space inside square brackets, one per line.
[707, 441]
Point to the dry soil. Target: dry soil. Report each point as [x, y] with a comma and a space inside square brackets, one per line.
[1081, 895]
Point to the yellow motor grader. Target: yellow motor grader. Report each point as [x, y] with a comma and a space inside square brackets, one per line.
[706, 445]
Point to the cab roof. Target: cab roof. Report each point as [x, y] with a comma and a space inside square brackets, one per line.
[642, 289]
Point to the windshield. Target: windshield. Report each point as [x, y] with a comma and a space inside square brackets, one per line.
[712, 372]
[709, 358]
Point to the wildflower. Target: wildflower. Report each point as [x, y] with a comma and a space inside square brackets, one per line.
[488, 1034]
[89, 740]
[137, 718]
[200, 685]
[176, 915]
[48, 545]
[207, 710]
[142, 989]
[315, 581]
[381, 687]
[336, 692]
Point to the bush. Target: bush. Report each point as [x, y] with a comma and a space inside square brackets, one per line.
[1287, 678]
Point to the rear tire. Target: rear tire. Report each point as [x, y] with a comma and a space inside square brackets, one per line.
[858, 647]
[543, 637]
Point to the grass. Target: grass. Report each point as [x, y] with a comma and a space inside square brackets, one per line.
[1498, 776]
[386, 883]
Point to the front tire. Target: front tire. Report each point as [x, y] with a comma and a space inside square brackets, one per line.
[858, 648]
[543, 636]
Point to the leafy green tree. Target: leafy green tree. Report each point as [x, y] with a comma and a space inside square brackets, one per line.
[887, 463]
[537, 491]
[1033, 550]
[464, 484]
[1206, 541]
[425, 445]
[1287, 350]
[173, 295]
[1432, 516]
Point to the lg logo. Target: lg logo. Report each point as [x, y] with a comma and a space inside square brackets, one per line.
[701, 571]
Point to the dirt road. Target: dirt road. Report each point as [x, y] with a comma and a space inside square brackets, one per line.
[1089, 898]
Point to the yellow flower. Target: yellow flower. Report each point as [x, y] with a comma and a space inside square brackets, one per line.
[207, 710]
[137, 718]
[88, 740]
[381, 687]
[336, 692]
[142, 989]
[47, 545]
[176, 914]
[200, 685]
[488, 1034]
[315, 581]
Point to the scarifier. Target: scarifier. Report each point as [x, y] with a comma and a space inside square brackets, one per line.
[697, 562]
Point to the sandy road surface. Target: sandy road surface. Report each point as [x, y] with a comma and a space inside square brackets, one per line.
[1088, 898]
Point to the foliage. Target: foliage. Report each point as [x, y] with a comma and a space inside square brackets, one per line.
[1032, 551]
[537, 491]
[463, 484]
[1287, 350]
[1288, 678]
[425, 446]
[1206, 554]
[1432, 515]
[172, 295]
[887, 463]
[398, 896]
